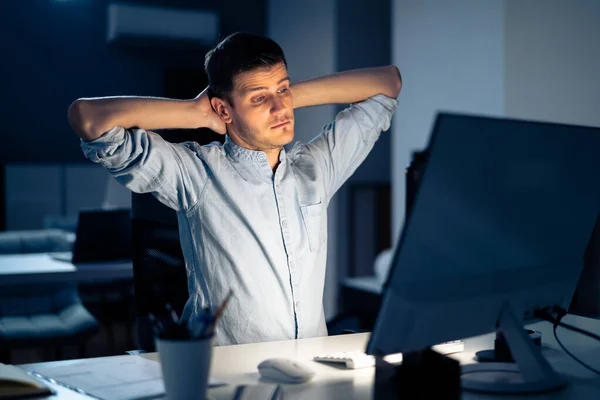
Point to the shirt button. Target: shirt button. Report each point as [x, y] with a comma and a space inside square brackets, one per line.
[297, 304]
[284, 224]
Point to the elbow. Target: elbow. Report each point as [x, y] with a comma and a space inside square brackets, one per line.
[80, 120]
[395, 81]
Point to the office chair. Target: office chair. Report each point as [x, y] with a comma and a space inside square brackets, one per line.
[48, 314]
[158, 264]
[159, 271]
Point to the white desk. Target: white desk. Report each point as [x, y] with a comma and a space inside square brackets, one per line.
[237, 365]
[42, 268]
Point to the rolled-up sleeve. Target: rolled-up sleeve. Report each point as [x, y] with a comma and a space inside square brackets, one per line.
[345, 143]
[145, 163]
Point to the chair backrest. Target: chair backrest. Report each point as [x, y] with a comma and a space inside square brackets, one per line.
[158, 264]
[159, 271]
[37, 299]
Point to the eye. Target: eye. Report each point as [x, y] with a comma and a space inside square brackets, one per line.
[283, 90]
[258, 99]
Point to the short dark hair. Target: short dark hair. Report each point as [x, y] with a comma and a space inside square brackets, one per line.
[237, 53]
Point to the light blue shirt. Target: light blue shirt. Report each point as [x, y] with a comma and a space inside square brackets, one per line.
[245, 228]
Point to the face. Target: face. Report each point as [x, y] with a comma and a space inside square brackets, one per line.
[261, 116]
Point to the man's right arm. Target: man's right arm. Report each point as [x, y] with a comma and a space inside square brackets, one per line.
[92, 117]
[115, 132]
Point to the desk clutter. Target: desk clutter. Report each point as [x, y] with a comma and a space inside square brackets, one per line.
[185, 355]
[112, 378]
[171, 328]
[332, 382]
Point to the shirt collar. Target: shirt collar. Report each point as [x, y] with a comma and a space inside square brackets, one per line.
[241, 153]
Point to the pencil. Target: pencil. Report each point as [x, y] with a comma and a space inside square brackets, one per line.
[211, 325]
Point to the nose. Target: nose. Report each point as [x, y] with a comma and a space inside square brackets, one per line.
[276, 105]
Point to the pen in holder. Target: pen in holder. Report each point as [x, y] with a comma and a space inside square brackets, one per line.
[210, 328]
[185, 356]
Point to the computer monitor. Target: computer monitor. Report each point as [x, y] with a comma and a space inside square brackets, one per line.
[499, 227]
[102, 235]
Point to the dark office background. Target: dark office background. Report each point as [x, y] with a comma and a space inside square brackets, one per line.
[57, 51]
[536, 59]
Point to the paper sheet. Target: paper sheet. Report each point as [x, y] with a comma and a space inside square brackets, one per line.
[113, 378]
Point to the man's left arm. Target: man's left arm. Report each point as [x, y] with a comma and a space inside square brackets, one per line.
[344, 144]
[348, 87]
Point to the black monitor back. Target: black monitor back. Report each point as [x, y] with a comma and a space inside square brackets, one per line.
[102, 235]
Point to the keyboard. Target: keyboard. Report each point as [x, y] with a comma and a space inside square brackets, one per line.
[358, 359]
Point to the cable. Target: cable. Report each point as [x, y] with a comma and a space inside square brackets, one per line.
[571, 354]
[557, 321]
[578, 330]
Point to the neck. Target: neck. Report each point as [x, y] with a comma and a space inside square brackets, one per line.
[273, 157]
[274, 161]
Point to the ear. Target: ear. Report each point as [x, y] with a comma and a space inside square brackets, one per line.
[222, 108]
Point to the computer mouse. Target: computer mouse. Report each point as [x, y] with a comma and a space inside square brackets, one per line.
[283, 370]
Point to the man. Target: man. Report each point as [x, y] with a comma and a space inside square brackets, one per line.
[252, 216]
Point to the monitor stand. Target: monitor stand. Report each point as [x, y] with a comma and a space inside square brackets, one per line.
[501, 352]
[530, 373]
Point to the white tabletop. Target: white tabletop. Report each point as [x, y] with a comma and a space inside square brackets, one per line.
[42, 268]
[238, 365]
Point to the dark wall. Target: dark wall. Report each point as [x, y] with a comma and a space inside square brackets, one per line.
[364, 40]
[54, 52]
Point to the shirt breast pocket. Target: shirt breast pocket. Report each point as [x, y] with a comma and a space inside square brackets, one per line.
[312, 215]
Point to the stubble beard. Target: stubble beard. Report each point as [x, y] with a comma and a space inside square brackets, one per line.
[248, 132]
